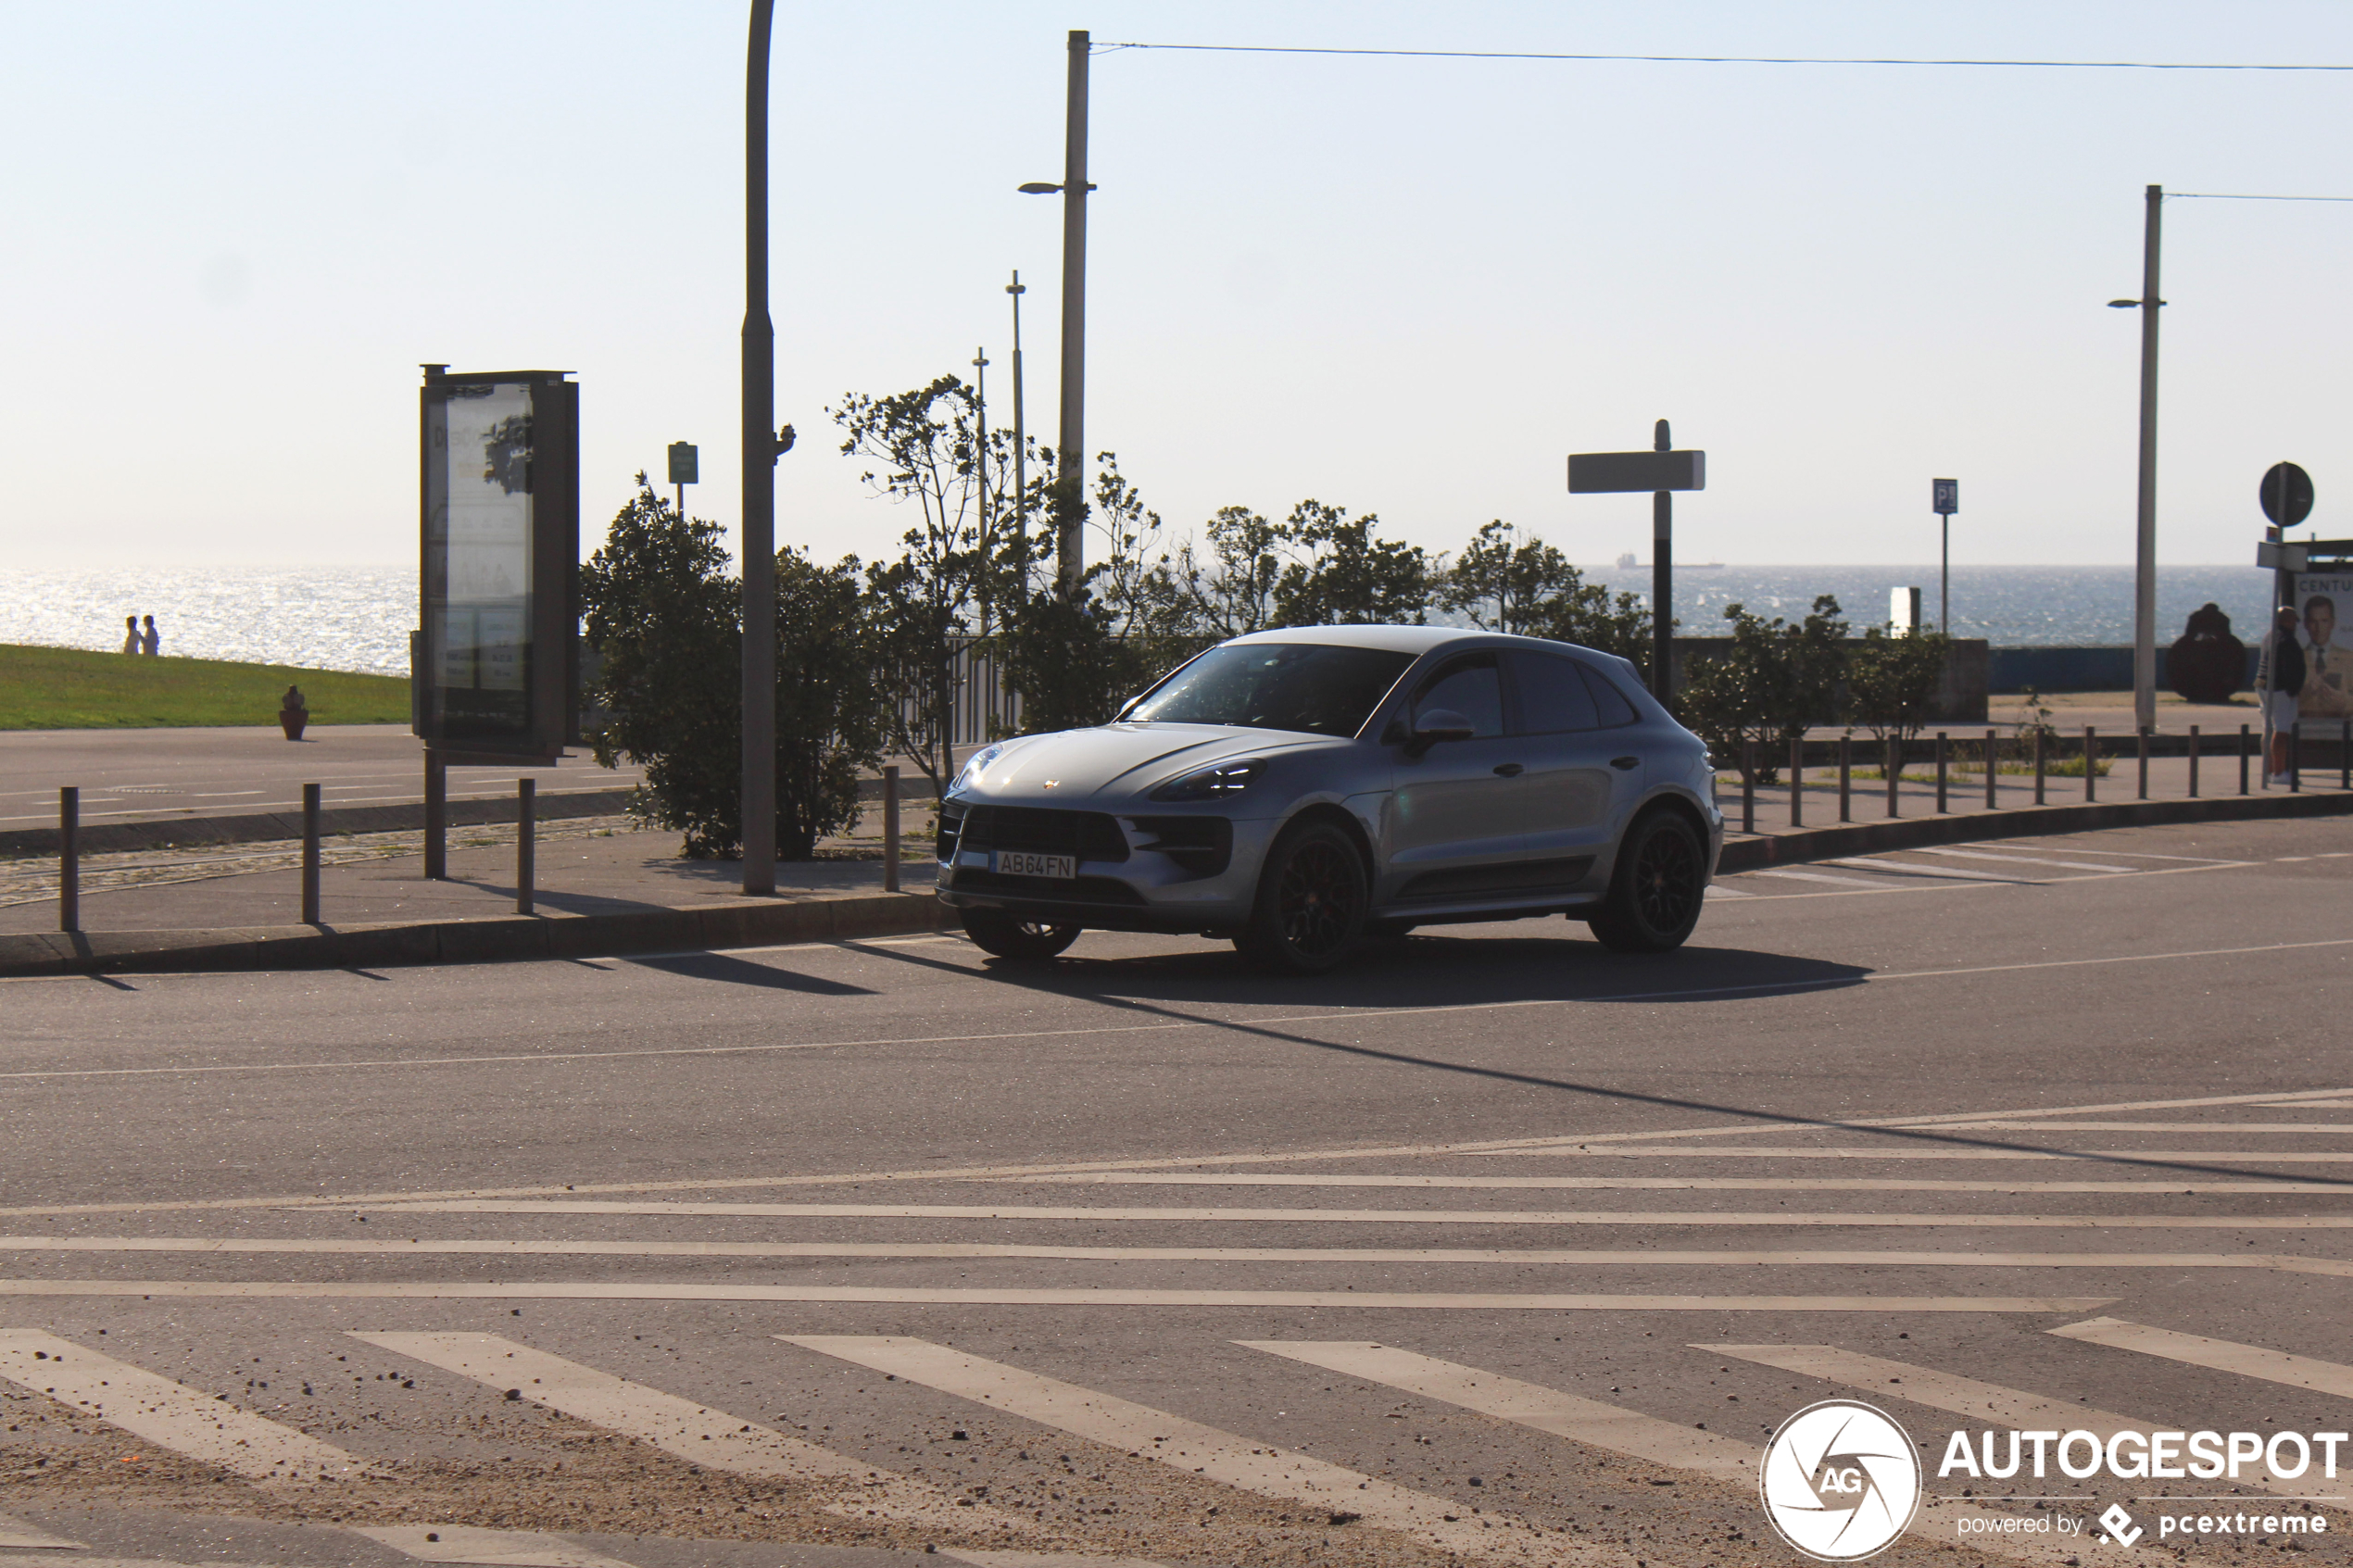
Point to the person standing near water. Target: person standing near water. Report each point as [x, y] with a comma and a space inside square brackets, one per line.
[2281, 675]
[152, 644]
[131, 634]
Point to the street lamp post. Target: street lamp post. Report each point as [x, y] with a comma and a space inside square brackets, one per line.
[1070, 458]
[2144, 574]
[1021, 450]
[759, 798]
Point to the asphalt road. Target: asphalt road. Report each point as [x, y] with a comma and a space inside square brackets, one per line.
[1497, 1248]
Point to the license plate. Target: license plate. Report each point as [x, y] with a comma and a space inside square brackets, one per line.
[1019, 862]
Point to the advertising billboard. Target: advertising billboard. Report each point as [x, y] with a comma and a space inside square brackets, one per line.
[2324, 627]
[499, 575]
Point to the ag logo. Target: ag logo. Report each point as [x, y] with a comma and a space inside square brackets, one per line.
[1839, 1481]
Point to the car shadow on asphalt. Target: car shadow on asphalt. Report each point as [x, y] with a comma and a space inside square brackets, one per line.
[727, 967]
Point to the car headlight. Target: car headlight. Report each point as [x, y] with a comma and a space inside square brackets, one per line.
[976, 764]
[1222, 781]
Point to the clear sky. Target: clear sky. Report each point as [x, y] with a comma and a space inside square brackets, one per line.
[1407, 286]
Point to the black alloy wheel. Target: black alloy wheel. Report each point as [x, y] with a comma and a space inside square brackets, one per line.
[1657, 890]
[1312, 897]
[994, 931]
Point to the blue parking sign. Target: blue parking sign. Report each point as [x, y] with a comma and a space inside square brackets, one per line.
[1948, 496]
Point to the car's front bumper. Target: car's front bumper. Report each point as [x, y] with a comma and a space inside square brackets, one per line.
[1165, 882]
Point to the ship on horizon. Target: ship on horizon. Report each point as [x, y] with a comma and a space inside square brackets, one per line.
[1627, 563]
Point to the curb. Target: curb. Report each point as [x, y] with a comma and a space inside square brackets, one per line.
[741, 924]
[1907, 833]
[257, 827]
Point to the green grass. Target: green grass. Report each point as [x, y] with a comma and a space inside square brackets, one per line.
[70, 689]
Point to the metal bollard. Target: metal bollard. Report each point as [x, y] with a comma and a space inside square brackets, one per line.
[1894, 772]
[1992, 767]
[2041, 761]
[2242, 733]
[2193, 762]
[1846, 778]
[1797, 783]
[436, 818]
[1942, 749]
[890, 829]
[2296, 758]
[1748, 786]
[69, 859]
[2345, 757]
[2091, 763]
[311, 854]
[526, 861]
[2142, 741]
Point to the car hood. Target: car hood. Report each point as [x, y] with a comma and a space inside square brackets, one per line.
[1120, 759]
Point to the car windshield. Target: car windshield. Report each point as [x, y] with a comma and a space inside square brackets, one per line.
[1314, 687]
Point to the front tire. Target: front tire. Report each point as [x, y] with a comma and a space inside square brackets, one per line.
[994, 931]
[1313, 894]
[1657, 889]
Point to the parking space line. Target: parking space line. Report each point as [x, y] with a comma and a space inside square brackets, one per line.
[171, 1415]
[692, 1432]
[1989, 1404]
[1672, 1184]
[2221, 1355]
[2019, 860]
[503, 1548]
[1905, 868]
[1188, 1445]
[1821, 876]
[1041, 1560]
[2232, 1127]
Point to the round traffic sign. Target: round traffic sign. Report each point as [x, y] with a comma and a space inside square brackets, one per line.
[2286, 495]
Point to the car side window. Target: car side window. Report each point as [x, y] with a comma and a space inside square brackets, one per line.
[1614, 707]
[1553, 698]
[1471, 686]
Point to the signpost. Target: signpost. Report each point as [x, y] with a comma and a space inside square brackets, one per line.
[684, 458]
[500, 577]
[1661, 470]
[1946, 498]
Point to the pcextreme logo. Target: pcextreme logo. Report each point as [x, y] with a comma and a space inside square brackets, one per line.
[1839, 1481]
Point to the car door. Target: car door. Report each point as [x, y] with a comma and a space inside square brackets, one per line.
[1456, 813]
[1582, 770]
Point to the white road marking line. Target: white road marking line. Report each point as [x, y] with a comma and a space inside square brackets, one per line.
[1988, 1404]
[1549, 1143]
[695, 1433]
[1041, 1560]
[1604, 1425]
[2144, 855]
[1669, 1184]
[1623, 1151]
[171, 1415]
[1191, 1447]
[1361, 1216]
[2233, 1127]
[2021, 859]
[2221, 1355]
[1817, 876]
[1532, 1256]
[506, 1549]
[1717, 890]
[22, 1533]
[1950, 872]
[1591, 1422]
[680, 1290]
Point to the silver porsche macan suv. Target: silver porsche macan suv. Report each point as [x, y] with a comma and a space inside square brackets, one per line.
[1297, 790]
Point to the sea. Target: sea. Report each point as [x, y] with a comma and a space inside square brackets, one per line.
[358, 618]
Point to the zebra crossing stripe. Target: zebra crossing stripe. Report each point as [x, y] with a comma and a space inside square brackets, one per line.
[21, 1534]
[1525, 1404]
[1988, 1404]
[1599, 1425]
[506, 1549]
[171, 1415]
[695, 1433]
[1223, 1457]
[1955, 874]
[2221, 1355]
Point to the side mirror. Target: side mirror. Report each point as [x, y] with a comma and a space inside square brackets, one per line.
[1438, 724]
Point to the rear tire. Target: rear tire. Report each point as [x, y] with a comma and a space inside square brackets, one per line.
[994, 931]
[1313, 893]
[1657, 889]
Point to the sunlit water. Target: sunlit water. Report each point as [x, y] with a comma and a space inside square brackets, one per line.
[358, 618]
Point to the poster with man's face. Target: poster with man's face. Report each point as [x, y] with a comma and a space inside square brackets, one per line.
[2324, 628]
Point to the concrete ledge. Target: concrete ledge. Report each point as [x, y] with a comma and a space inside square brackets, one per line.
[263, 827]
[1905, 833]
[747, 923]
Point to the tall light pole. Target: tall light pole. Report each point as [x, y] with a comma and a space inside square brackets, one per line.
[2144, 573]
[1070, 443]
[763, 446]
[980, 462]
[1021, 449]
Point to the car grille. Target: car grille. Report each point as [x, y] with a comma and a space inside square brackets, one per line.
[1090, 835]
